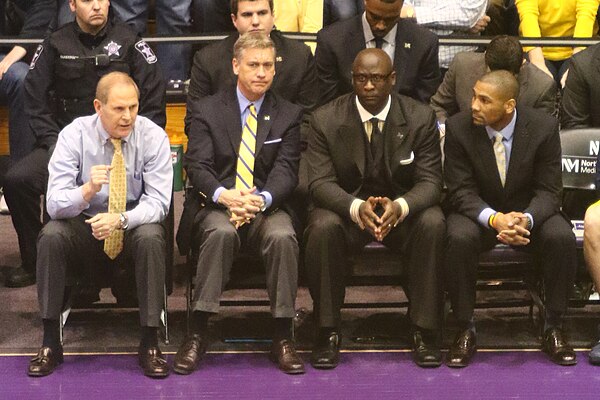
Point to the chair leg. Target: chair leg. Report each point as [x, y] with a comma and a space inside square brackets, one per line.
[165, 316]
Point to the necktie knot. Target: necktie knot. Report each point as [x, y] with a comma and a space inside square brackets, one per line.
[379, 42]
[117, 145]
[252, 109]
[498, 138]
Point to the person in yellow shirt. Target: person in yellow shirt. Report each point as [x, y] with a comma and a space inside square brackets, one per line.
[299, 16]
[556, 18]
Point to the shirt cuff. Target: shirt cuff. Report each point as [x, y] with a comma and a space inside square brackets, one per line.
[268, 198]
[217, 193]
[354, 214]
[531, 219]
[484, 216]
[404, 209]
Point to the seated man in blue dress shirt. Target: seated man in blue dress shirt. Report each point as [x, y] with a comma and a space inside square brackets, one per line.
[109, 188]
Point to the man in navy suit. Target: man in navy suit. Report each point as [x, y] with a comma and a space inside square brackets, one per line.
[242, 162]
[413, 49]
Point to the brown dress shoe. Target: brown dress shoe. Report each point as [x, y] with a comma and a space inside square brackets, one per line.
[556, 346]
[44, 362]
[462, 349]
[284, 354]
[326, 354]
[152, 362]
[189, 355]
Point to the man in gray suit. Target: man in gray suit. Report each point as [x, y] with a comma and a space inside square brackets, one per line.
[374, 174]
[504, 52]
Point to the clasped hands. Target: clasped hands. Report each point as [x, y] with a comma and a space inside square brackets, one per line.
[379, 215]
[243, 205]
[511, 228]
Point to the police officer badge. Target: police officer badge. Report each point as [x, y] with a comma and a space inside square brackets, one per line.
[112, 48]
[146, 51]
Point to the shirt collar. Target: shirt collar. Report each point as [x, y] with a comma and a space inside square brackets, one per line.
[507, 132]
[366, 116]
[389, 39]
[244, 102]
[89, 38]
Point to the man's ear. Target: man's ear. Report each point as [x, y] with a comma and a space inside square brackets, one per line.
[236, 66]
[97, 106]
[510, 105]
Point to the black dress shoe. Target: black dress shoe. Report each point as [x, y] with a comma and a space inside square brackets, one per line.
[44, 362]
[426, 355]
[152, 362]
[462, 350]
[556, 346]
[284, 354]
[326, 354]
[189, 355]
[19, 277]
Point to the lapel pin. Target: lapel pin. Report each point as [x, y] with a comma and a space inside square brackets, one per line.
[407, 45]
[267, 117]
[400, 135]
[278, 59]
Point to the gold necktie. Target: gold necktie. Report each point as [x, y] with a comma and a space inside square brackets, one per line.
[500, 153]
[244, 178]
[113, 245]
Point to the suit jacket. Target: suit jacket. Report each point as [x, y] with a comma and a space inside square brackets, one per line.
[336, 155]
[537, 89]
[213, 147]
[581, 97]
[415, 59]
[295, 75]
[533, 179]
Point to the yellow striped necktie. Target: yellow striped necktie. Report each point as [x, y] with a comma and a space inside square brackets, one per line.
[113, 245]
[500, 153]
[244, 178]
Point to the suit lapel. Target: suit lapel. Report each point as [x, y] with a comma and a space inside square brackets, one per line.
[232, 118]
[401, 52]
[268, 111]
[518, 151]
[352, 134]
[485, 150]
[395, 133]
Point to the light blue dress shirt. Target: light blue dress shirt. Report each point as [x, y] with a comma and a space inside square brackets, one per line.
[85, 143]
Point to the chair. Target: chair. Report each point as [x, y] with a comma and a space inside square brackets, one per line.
[579, 154]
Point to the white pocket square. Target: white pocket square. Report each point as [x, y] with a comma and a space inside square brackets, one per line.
[272, 141]
[408, 160]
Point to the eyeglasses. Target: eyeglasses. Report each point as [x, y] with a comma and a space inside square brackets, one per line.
[375, 78]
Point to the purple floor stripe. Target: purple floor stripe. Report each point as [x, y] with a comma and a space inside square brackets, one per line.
[373, 376]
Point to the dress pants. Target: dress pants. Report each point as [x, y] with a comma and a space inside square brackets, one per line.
[269, 236]
[12, 94]
[552, 243]
[330, 239]
[64, 243]
[24, 183]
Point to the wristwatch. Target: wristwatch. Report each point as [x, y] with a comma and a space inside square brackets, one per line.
[123, 221]
[263, 206]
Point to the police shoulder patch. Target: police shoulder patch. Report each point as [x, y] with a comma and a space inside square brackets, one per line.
[37, 54]
[146, 51]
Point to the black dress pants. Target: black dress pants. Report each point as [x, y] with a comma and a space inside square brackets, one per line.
[330, 239]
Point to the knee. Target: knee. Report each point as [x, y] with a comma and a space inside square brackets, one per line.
[323, 224]
[149, 234]
[592, 223]
[432, 220]
[55, 231]
[281, 236]
[220, 233]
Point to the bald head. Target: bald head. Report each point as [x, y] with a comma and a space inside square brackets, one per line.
[494, 99]
[373, 78]
[111, 80]
[505, 83]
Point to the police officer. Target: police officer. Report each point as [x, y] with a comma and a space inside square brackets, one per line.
[60, 86]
